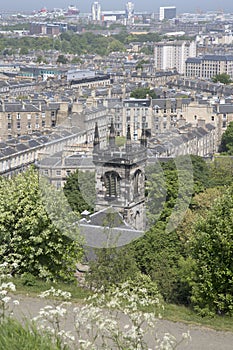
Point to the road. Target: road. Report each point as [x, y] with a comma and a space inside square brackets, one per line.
[202, 338]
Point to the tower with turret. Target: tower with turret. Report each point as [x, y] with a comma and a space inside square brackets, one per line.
[120, 177]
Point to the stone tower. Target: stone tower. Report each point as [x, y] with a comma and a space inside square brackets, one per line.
[120, 177]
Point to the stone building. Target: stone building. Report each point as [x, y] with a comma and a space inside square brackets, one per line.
[22, 118]
[120, 177]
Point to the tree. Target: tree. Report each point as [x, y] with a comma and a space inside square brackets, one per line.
[62, 59]
[157, 254]
[227, 140]
[211, 249]
[143, 92]
[30, 234]
[79, 190]
[222, 78]
[221, 171]
[112, 266]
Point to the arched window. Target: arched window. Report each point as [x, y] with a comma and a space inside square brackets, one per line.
[112, 184]
[136, 182]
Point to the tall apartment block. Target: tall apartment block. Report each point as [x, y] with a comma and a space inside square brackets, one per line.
[129, 13]
[173, 54]
[168, 12]
[96, 11]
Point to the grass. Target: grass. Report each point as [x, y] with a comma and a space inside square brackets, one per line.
[179, 313]
[35, 287]
[14, 336]
[175, 313]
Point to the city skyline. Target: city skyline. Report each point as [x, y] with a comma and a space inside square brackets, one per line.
[147, 5]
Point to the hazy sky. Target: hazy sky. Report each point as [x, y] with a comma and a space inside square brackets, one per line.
[140, 5]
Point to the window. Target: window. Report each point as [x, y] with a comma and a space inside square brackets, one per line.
[43, 123]
[46, 172]
[18, 116]
[9, 116]
[18, 125]
[58, 172]
[29, 116]
[112, 184]
[9, 126]
[136, 181]
[212, 118]
[29, 125]
[37, 125]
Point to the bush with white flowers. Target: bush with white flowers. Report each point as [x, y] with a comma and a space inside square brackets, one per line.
[113, 320]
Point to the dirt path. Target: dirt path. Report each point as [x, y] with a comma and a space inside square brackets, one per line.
[202, 338]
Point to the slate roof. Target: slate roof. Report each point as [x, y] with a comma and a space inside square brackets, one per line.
[225, 108]
[97, 233]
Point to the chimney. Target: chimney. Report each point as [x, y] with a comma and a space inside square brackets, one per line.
[201, 123]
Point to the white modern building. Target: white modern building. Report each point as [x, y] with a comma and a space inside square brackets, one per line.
[168, 12]
[129, 13]
[96, 11]
[173, 54]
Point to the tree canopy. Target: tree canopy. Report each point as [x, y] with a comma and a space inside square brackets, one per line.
[143, 93]
[222, 78]
[28, 235]
[226, 145]
[211, 279]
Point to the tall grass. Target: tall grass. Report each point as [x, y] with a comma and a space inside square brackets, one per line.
[15, 336]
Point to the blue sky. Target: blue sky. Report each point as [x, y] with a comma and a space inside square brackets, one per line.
[145, 5]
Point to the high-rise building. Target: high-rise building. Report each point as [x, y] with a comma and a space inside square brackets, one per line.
[96, 11]
[173, 54]
[168, 12]
[129, 13]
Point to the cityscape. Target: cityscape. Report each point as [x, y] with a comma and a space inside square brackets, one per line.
[116, 146]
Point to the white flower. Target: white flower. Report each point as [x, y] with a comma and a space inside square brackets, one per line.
[15, 302]
[6, 299]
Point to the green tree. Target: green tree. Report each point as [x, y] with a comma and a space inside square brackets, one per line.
[112, 266]
[157, 255]
[28, 235]
[222, 78]
[79, 190]
[227, 140]
[143, 92]
[221, 171]
[211, 249]
[62, 59]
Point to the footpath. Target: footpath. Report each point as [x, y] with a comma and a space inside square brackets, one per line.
[202, 338]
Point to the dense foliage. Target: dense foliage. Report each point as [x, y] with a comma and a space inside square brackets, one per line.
[143, 93]
[80, 191]
[222, 78]
[212, 249]
[226, 145]
[190, 264]
[29, 235]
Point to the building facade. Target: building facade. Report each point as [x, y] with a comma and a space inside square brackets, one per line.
[96, 11]
[168, 12]
[207, 66]
[120, 178]
[173, 54]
